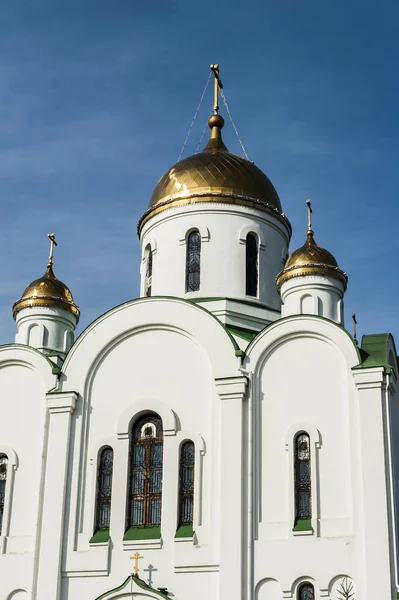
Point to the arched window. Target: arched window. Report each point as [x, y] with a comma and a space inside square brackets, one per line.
[303, 496]
[146, 453]
[193, 262]
[148, 271]
[251, 265]
[186, 484]
[306, 592]
[3, 482]
[104, 489]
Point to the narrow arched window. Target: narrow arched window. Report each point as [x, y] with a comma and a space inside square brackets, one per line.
[306, 592]
[146, 453]
[193, 262]
[303, 496]
[104, 490]
[251, 265]
[186, 483]
[148, 271]
[3, 483]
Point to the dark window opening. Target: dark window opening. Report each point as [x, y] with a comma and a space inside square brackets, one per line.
[3, 482]
[145, 489]
[186, 484]
[193, 262]
[251, 265]
[303, 497]
[306, 592]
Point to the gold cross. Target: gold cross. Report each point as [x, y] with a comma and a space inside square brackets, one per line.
[218, 84]
[309, 213]
[136, 557]
[53, 243]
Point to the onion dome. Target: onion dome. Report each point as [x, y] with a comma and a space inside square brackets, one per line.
[47, 291]
[311, 259]
[214, 175]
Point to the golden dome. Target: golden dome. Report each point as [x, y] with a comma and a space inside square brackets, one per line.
[310, 259]
[47, 291]
[214, 175]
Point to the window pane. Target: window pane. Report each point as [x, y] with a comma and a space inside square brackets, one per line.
[251, 281]
[303, 496]
[186, 492]
[146, 471]
[306, 592]
[104, 489]
[193, 262]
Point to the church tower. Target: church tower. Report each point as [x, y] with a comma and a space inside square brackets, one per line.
[215, 234]
[46, 314]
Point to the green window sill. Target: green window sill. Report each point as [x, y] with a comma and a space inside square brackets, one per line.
[143, 532]
[100, 537]
[303, 525]
[185, 531]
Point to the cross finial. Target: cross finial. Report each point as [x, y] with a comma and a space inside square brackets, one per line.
[309, 216]
[53, 243]
[136, 557]
[354, 328]
[218, 84]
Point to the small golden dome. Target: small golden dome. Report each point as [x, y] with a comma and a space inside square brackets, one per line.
[47, 291]
[214, 175]
[310, 259]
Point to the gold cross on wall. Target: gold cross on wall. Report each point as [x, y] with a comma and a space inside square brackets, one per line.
[136, 557]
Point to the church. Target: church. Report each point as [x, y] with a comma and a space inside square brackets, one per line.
[223, 436]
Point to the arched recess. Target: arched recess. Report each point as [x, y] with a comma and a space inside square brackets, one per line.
[300, 326]
[253, 228]
[142, 406]
[35, 335]
[25, 356]
[299, 582]
[268, 589]
[307, 304]
[182, 317]
[18, 595]
[200, 451]
[340, 587]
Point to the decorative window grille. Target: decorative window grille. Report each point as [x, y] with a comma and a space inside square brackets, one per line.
[186, 483]
[104, 489]
[193, 262]
[306, 592]
[303, 496]
[148, 271]
[3, 482]
[146, 454]
[251, 265]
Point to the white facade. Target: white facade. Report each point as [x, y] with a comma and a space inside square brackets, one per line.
[241, 381]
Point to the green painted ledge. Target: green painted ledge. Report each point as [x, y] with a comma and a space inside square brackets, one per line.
[152, 532]
[100, 537]
[303, 525]
[185, 531]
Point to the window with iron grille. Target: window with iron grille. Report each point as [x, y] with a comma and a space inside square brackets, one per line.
[306, 592]
[251, 265]
[148, 271]
[3, 482]
[146, 454]
[104, 489]
[193, 262]
[186, 483]
[303, 496]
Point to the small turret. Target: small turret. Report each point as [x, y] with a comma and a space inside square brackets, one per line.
[46, 315]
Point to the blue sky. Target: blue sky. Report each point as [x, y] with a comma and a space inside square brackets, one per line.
[97, 97]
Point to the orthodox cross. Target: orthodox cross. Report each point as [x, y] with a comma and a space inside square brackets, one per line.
[150, 571]
[136, 557]
[354, 328]
[218, 84]
[53, 243]
[309, 215]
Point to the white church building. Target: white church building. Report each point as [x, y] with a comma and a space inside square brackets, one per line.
[222, 437]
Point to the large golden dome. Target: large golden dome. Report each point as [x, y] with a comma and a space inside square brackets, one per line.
[47, 291]
[214, 175]
[310, 259]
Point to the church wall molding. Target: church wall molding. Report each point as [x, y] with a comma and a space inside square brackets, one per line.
[139, 407]
[30, 358]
